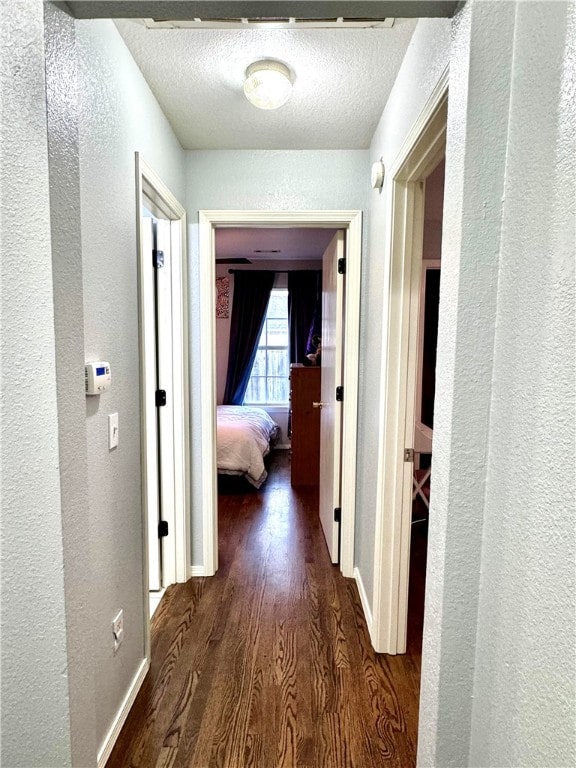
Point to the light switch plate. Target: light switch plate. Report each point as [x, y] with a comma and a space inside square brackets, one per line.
[112, 430]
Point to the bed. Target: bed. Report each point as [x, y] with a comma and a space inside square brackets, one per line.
[244, 435]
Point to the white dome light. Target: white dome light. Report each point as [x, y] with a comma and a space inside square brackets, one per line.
[267, 84]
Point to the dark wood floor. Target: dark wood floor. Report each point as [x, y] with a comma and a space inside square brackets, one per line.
[269, 663]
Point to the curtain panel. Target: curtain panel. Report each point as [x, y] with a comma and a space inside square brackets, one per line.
[251, 295]
[304, 311]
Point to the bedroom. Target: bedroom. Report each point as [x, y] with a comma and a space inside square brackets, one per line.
[268, 351]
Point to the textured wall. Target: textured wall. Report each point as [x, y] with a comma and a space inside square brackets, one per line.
[118, 116]
[259, 180]
[34, 695]
[425, 60]
[524, 709]
[62, 98]
[498, 658]
[472, 224]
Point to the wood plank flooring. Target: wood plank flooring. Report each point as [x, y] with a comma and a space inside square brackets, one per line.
[268, 664]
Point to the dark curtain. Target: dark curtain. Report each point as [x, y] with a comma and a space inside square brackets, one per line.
[251, 296]
[304, 311]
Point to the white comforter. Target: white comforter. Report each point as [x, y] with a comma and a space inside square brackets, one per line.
[243, 439]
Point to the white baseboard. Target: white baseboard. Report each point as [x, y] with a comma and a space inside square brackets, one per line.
[196, 570]
[282, 447]
[364, 600]
[120, 719]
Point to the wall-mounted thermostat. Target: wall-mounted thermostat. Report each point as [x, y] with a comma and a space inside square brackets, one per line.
[97, 377]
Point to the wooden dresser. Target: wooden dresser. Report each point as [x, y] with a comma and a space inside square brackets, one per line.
[304, 389]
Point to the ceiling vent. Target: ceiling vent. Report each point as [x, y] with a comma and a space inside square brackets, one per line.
[270, 22]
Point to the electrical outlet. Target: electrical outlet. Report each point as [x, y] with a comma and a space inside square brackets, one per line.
[112, 430]
[118, 629]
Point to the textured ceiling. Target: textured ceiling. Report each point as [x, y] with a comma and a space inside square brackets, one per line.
[294, 244]
[342, 79]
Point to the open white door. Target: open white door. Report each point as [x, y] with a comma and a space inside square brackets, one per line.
[151, 457]
[164, 386]
[163, 323]
[331, 409]
[159, 405]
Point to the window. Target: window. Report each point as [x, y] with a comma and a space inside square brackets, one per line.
[269, 380]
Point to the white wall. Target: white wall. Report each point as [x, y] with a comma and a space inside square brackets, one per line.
[72, 554]
[426, 58]
[499, 645]
[34, 694]
[118, 116]
[67, 273]
[259, 180]
[72, 543]
[527, 597]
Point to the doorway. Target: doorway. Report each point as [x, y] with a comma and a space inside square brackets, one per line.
[164, 382]
[350, 223]
[279, 333]
[401, 442]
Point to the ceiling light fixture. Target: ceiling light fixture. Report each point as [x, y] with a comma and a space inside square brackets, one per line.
[268, 84]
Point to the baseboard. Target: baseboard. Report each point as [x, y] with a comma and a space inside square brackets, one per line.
[120, 719]
[195, 571]
[282, 447]
[364, 600]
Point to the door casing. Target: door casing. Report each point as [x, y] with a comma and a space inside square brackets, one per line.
[423, 149]
[351, 223]
[176, 469]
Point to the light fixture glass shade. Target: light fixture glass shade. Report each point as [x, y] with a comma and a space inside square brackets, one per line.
[377, 174]
[267, 84]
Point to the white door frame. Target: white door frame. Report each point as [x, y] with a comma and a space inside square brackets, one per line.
[351, 222]
[419, 155]
[176, 548]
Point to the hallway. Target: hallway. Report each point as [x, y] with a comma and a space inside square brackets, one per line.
[269, 663]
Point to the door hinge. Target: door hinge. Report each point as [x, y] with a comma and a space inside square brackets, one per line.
[157, 259]
[339, 394]
[409, 455]
[160, 398]
[337, 514]
[342, 266]
[162, 529]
